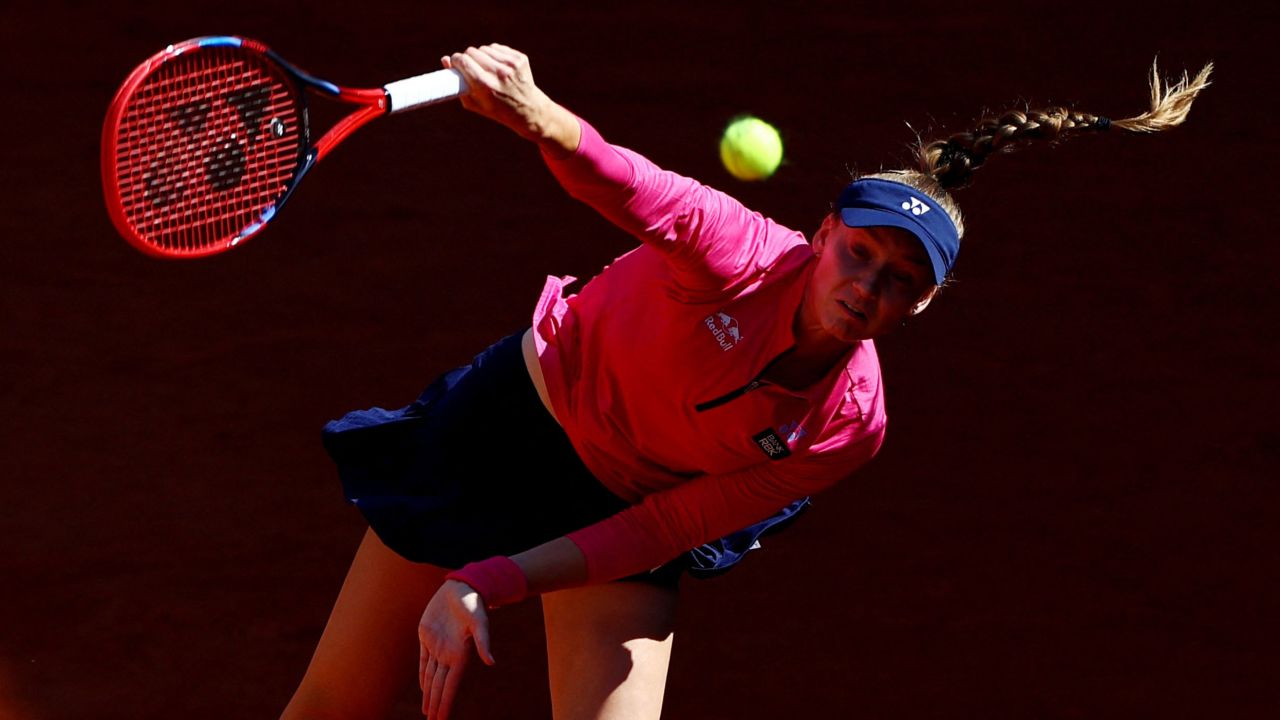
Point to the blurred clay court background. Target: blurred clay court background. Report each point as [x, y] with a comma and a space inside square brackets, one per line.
[1074, 515]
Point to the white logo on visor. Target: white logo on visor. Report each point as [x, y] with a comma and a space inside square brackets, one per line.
[915, 206]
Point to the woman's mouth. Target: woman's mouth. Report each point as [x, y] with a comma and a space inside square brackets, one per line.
[853, 311]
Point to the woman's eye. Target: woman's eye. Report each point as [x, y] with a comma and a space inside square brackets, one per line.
[861, 252]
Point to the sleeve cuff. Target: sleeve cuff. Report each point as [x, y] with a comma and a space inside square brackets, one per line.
[498, 580]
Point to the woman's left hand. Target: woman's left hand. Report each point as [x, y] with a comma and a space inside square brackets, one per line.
[456, 612]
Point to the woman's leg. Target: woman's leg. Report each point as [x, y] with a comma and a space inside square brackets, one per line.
[608, 647]
[368, 655]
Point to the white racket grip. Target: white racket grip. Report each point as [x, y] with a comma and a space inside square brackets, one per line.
[428, 89]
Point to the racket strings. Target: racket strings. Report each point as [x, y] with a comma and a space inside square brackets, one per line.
[207, 145]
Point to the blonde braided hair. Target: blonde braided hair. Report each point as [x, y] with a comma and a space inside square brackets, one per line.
[950, 163]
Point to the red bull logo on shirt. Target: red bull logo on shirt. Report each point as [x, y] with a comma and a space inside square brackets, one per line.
[724, 329]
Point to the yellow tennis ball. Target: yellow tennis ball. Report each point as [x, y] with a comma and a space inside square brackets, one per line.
[751, 148]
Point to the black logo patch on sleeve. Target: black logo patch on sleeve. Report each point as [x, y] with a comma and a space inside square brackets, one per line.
[771, 444]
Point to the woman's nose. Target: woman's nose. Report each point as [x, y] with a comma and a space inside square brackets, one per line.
[864, 283]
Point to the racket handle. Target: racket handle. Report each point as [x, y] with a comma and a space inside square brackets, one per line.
[422, 90]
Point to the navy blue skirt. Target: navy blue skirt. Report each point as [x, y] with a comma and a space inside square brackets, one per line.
[477, 467]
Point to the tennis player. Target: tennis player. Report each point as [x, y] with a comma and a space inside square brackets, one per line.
[686, 401]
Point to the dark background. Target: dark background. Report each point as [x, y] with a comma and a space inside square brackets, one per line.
[1074, 515]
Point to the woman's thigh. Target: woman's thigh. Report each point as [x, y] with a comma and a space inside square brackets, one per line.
[368, 655]
[608, 647]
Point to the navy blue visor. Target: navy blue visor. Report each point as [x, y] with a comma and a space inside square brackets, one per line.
[872, 202]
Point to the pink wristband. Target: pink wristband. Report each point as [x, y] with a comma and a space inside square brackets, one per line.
[499, 580]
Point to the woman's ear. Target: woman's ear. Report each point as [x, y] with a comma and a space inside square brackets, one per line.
[820, 237]
[924, 301]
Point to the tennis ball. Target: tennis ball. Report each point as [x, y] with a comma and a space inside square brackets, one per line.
[751, 148]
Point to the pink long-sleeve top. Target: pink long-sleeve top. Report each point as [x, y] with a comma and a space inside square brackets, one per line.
[653, 367]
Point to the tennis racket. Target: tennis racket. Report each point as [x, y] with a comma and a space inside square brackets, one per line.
[206, 140]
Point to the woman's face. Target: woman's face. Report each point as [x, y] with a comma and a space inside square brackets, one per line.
[868, 280]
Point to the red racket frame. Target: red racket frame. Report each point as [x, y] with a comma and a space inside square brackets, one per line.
[373, 103]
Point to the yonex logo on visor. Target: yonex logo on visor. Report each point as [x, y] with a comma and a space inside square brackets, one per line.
[915, 206]
[872, 202]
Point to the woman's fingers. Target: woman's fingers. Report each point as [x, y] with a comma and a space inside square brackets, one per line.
[467, 65]
[499, 47]
[441, 687]
[448, 691]
[436, 694]
[489, 64]
[504, 72]
[486, 62]
[479, 83]
[494, 55]
[513, 59]
[432, 687]
[480, 633]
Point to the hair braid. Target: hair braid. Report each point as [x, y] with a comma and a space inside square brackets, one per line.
[945, 164]
[952, 161]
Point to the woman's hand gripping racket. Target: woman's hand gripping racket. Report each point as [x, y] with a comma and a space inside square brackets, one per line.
[206, 140]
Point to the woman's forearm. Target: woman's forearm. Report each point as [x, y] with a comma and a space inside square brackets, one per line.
[553, 565]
